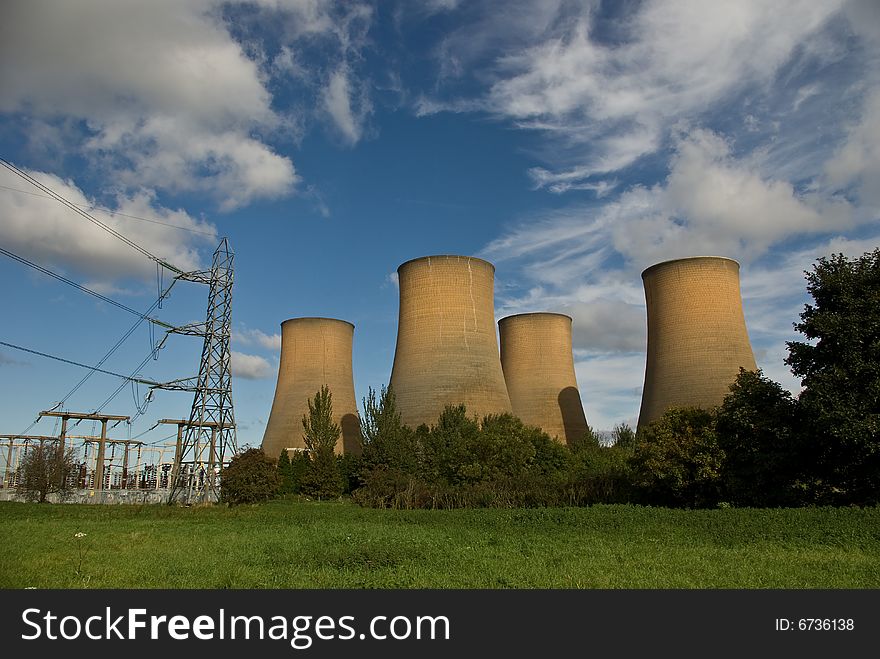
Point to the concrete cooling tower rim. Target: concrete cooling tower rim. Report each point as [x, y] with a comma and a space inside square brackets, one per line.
[445, 256]
[534, 313]
[689, 258]
[333, 320]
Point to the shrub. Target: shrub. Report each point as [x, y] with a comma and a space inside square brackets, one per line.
[587, 441]
[599, 474]
[350, 467]
[250, 477]
[446, 448]
[44, 470]
[677, 460]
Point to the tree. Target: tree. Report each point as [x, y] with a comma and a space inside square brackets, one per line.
[321, 433]
[44, 470]
[386, 441]
[758, 430]
[840, 371]
[447, 457]
[586, 442]
[250, 477]
[677, 460]
[623, 436]
[285, 474]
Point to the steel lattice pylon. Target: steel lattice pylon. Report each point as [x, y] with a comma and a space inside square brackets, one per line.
[210, 438]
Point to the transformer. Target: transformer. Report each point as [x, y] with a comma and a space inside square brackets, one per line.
[447, 349]
[536, 357]
[314, 352]
[697, 337]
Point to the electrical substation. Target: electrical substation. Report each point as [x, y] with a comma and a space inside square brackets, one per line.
[126, 470]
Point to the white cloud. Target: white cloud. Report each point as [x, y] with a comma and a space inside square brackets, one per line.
[43, 230]
[438, 6]
[725, 207]
[607, 326]
[610, 387]
[250, 367]
[161, 95]
[258, 338]
[857, 162]
[347, 105]
[609, 102]
[710, 203]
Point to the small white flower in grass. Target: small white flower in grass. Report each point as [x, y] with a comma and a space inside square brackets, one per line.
[80, 534]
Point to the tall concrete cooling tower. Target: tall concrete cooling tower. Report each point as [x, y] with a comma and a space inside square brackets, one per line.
[447, 351]
[538, 367]
[314, 352]
[697, 337]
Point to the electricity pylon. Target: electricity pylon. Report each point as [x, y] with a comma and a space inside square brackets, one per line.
[209, 440]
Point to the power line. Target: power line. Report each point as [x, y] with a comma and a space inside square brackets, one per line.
[153, 427]
[112, 212]
[68, 361]
[82, 288]
[113, 232]
[131, 378]
[119, 343]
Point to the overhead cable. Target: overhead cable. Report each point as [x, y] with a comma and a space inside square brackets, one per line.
[76, 209]
[68, 361]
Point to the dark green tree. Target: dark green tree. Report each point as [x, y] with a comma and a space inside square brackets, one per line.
[321, 434]
[766, 463]
[839, 368]
[299, 467]
[45, 470]
[285, 473]
[250, 477]
[586, 442]
[350, 466]
[677, 460]
[446, 448]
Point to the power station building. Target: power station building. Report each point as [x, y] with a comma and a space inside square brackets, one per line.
[447, 350]
[538, 365]
[314, 352]
[697, 337]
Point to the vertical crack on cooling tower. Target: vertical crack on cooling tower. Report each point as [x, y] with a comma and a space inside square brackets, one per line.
[433, 284]
[473, 301]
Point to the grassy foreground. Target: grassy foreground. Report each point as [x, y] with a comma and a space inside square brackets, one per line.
[291, 544]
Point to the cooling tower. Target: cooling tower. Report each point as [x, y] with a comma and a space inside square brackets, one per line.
[447, 351]
[539, 370]
[697, 337]
[314, 352]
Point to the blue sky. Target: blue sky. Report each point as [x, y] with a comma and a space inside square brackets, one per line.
[571, 143]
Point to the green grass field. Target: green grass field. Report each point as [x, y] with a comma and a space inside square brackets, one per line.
[292, 544]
